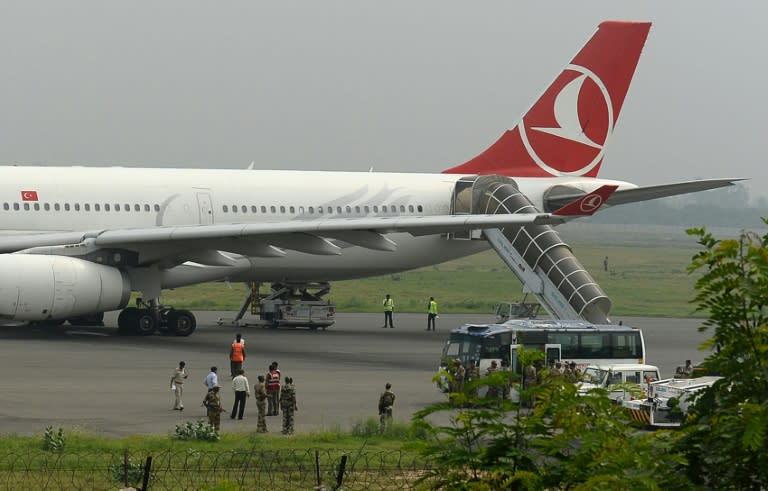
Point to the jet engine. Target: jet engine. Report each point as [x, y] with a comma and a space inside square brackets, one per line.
[37, 287]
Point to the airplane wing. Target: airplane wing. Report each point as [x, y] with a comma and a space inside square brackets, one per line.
[645, 193]
[366, 231]
[202, 243]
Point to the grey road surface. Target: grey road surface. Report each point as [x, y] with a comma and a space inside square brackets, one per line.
[96, 381]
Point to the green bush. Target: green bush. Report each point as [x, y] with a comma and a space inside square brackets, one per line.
[53, 441]
[199, 430]
[133, 471]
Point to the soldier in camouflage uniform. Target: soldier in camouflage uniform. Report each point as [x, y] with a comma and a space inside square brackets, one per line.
[386, 401]
[288, 405]
[261, 405]
[212, 403]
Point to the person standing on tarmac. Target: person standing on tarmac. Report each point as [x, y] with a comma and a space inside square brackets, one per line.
[389, 307]
[273, 390]
[177, 383]
[288, 405]
[236, 356]
[386, 404]
[261, 405]
[431, 313]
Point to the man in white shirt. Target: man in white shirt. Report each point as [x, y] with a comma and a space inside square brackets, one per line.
[242, 390]
[212, 379]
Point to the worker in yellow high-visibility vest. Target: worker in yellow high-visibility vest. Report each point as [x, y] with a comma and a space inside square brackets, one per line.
[389, 307]
[431, 314]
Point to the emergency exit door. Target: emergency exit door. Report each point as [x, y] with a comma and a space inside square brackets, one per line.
[205, 209]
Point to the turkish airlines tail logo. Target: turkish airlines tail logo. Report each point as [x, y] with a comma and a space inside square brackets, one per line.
[566, 131]
[29, 196]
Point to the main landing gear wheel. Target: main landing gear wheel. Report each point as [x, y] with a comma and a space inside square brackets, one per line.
[133, 321]
[181, 322]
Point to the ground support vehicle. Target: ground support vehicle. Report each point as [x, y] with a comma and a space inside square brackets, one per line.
[287, 305]
[520, 310]
[668, 401]
[622, 381]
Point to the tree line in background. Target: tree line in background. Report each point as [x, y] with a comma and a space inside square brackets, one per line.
[554, 439]
[728, 207]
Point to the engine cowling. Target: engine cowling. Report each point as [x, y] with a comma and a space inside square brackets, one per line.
[38, 287]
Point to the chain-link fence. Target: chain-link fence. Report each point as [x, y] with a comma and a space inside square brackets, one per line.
[248, 469]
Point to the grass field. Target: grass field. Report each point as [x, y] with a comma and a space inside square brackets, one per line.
[645, 278]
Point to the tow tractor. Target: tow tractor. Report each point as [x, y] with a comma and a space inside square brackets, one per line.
[668, 401]
[287, 305]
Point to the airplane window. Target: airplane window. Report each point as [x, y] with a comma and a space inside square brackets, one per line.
[349, 209]
[383, 208]
[37, 206]
[26, 206]
[311, 210]
[106, 207]
[357, 209]
[273, 209]
[338, 209]
[282, 209]
[292, 209]
[420, 208]
[66, 206]
[117, 206]
[410, 208]
[320, 210]
[402, 208]
[127, 207]
[263, 209]
[224, 208]
[47, 207]
[137, 207]
[244, 209]
[146, 207]
[301, 209]
[254, 209]
[77, 206]
[96, 207]
[56, 207]
[87, 207]
[234, 208]
[367, 210]
[330, 209]
[16, 206]
[6, 206]
[157, 207]
[375, 209]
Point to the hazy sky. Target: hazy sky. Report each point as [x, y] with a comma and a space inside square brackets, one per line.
[346, 85]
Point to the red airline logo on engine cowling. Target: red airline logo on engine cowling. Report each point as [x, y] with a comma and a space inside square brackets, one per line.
[566, 131]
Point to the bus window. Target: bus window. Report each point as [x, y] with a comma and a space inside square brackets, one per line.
[626, 345]
[595, 346]
[569, 344]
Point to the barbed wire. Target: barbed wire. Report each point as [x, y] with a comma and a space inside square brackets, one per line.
[189, 469]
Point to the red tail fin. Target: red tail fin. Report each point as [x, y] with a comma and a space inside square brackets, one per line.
[566, 131]
[588, 204]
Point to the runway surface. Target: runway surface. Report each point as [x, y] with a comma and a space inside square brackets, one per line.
[94, 380]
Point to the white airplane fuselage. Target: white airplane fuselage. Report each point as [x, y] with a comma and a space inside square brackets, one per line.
[100, 198]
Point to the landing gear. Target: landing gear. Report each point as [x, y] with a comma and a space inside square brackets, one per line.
[146, 318]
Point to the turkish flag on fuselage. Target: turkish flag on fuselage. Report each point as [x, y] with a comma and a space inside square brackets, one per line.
[29, 196]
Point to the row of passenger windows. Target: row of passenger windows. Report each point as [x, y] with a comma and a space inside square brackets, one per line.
[320, 210]
[77, 207]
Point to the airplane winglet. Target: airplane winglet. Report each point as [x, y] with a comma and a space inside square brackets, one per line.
[588, 204]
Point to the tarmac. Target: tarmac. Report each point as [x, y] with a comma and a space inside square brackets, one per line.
[91, 380]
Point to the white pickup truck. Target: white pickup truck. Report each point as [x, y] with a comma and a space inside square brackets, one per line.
[668, 401]
[615, 379]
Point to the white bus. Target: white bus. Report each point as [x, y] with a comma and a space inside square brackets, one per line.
[570, 341]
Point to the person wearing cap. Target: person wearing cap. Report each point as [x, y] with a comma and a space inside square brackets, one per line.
[177, 383]
[212, 403]
[386, 402]
[261, 405]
